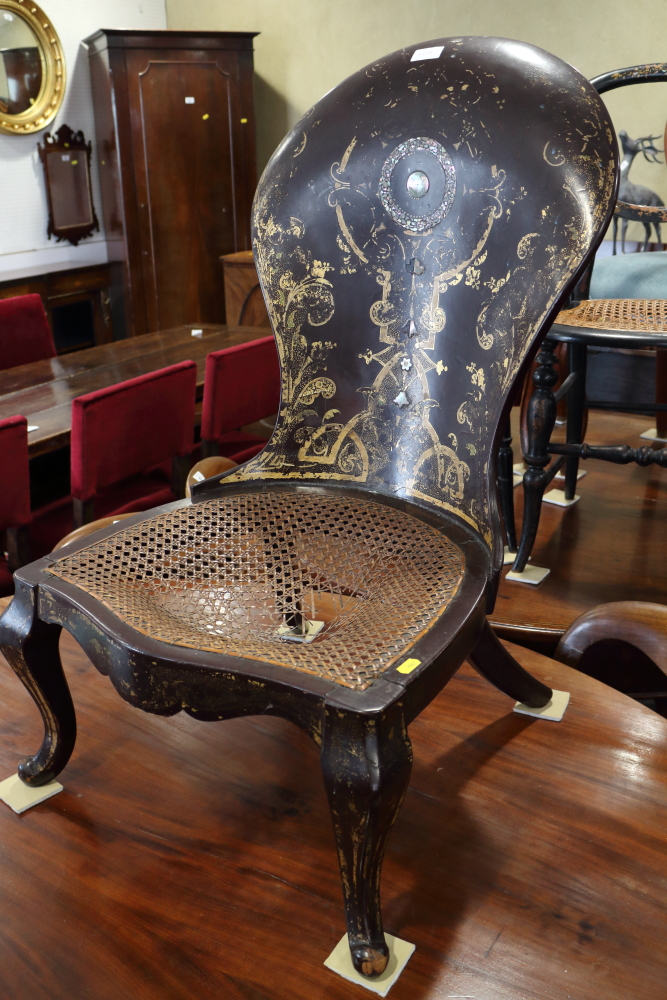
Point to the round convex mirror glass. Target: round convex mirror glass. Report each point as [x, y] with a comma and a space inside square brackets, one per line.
[20, 64]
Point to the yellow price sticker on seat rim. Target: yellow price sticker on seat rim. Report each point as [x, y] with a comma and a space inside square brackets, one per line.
[407, 666]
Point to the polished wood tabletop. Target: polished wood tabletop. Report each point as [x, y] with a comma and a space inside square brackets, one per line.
[43, 390]
[191, 860]
[610, 546]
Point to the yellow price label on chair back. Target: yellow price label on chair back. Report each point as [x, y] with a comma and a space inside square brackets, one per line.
[407, 666]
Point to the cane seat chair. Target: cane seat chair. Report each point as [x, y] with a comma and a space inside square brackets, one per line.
[619, 322]
[411, 252]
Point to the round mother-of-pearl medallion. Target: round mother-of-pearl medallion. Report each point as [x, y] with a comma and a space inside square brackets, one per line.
[418, 184]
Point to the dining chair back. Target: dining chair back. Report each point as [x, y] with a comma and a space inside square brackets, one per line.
[14, 498]
[25, 334]
[126, 431]
[241, 386]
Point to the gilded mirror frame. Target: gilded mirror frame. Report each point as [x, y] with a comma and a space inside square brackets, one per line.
[52, 90]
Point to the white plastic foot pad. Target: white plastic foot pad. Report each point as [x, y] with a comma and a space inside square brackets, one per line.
[580, 474]
[519, 468]
[517, 477]
[558, 497]
[553, 710]
[20, 797]
[531, 574]
[651, 434]
[400, 951]
[508, 557]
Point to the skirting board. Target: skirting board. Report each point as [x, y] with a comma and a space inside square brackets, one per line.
[400, 951]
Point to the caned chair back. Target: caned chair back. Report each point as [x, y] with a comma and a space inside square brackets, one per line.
[25, 334]
[414, 234]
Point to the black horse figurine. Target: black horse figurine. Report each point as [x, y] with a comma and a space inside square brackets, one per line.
[636, 194]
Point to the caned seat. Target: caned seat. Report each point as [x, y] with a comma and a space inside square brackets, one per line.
[375, 577]
[627, 315]
[411, 254]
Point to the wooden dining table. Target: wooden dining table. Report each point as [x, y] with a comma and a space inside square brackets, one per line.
[42, 391]
[196, 859]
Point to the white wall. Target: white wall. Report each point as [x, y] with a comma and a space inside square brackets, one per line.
[308, 46]
[23, 212]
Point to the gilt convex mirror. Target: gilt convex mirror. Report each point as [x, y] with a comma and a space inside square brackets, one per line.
[32, 68]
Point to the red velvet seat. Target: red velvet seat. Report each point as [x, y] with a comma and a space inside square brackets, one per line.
[123, 440]
[25, 334]
[14, 498]
[241, 385]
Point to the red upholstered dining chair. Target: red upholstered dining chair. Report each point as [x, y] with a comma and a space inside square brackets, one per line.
[131, 449]
[415, 235]
[14, 499]
[25, 334]
[241, 386]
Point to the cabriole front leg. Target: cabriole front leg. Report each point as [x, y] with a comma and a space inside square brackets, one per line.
[31, 648]
[366, 763]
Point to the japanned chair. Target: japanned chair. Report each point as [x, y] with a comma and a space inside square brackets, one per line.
[14, 499]
[25, 334]
[620, 322]
[241, 386]
[411, 252]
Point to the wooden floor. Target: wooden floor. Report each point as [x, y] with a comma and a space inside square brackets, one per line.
[196, 860]
[610, 546]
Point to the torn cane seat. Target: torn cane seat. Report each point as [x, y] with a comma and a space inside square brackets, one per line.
[412, 253]
[228, 574]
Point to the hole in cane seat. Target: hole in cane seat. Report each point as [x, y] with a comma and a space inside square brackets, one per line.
[243, 573]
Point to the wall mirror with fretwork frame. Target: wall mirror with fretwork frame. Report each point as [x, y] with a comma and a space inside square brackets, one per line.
[65, 157]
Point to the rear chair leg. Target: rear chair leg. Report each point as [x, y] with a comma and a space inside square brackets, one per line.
[490, 658]
[31, 648]
[366, 763]
[541, 419]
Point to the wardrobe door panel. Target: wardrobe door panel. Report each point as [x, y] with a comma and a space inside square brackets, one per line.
[185, 114]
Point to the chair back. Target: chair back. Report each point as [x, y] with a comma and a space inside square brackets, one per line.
[14, 473]
[414, 235]
[241, 385]
[130, 427]
[25, 334]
